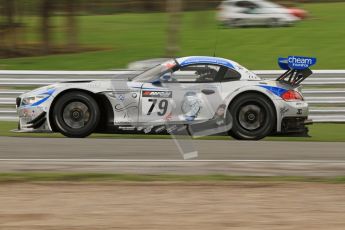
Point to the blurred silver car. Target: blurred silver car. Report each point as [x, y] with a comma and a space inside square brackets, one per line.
[237, 13]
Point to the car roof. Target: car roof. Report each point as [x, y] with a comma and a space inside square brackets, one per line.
[184, 61]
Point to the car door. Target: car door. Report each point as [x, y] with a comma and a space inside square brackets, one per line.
[186, 95]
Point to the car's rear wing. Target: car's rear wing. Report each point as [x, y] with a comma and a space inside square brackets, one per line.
[297, 69]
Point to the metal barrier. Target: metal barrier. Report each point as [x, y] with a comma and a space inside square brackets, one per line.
[324, 91]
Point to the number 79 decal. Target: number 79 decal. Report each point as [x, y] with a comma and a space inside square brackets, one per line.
[162, 106]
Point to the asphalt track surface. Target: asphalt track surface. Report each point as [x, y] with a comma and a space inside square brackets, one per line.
[163, 156]
[166, 149]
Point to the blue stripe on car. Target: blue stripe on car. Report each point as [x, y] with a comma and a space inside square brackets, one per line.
[276, 90]
[40, 101]
[207, 60]
[49, 92]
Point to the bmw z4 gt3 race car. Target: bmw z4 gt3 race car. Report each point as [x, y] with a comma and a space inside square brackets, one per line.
[205, 94]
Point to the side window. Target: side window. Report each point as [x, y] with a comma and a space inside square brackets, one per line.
[231, 75]
[241, 4]
[246, 4]
[195, 73]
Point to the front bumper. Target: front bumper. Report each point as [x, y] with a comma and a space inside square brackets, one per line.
[32, 119]
[33, 109]
[36, 122]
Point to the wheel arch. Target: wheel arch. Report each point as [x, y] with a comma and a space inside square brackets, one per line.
[102, 101]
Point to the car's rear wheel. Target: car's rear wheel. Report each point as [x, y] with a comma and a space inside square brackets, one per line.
[253, 117]
[76, 114]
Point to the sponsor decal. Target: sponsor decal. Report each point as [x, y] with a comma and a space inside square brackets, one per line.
[300, 62]
[121, 108]
[127, 128]
[284, 110]
[120, 97]
[159, 94]
[191, 106]
[296, 62]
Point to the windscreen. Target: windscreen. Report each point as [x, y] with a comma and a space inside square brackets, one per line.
[155, 72]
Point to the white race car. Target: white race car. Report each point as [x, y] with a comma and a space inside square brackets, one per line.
[208, 94]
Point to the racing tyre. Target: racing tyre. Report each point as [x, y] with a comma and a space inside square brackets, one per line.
[253, 117]
[76, 114]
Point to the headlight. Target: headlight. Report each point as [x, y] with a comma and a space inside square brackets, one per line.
[37, 96]
[35, 100]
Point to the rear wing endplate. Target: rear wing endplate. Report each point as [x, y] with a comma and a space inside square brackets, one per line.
[297, 69]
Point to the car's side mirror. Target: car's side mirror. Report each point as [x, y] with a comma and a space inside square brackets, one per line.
[157, 82]
[165, 78]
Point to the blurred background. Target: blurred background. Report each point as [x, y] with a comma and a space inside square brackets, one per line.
[109, 34]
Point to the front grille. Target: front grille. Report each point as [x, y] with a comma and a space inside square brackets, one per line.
[18, 100]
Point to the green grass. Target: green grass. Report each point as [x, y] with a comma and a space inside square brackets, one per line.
[318, 132]
[99, 177]
[128, 37]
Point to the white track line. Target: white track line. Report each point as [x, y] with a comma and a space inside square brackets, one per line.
[173, 161]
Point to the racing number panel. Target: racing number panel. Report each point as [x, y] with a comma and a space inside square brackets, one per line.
[156, 105]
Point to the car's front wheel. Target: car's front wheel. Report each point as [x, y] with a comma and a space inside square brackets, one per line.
[253, 117]
[76, 114]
